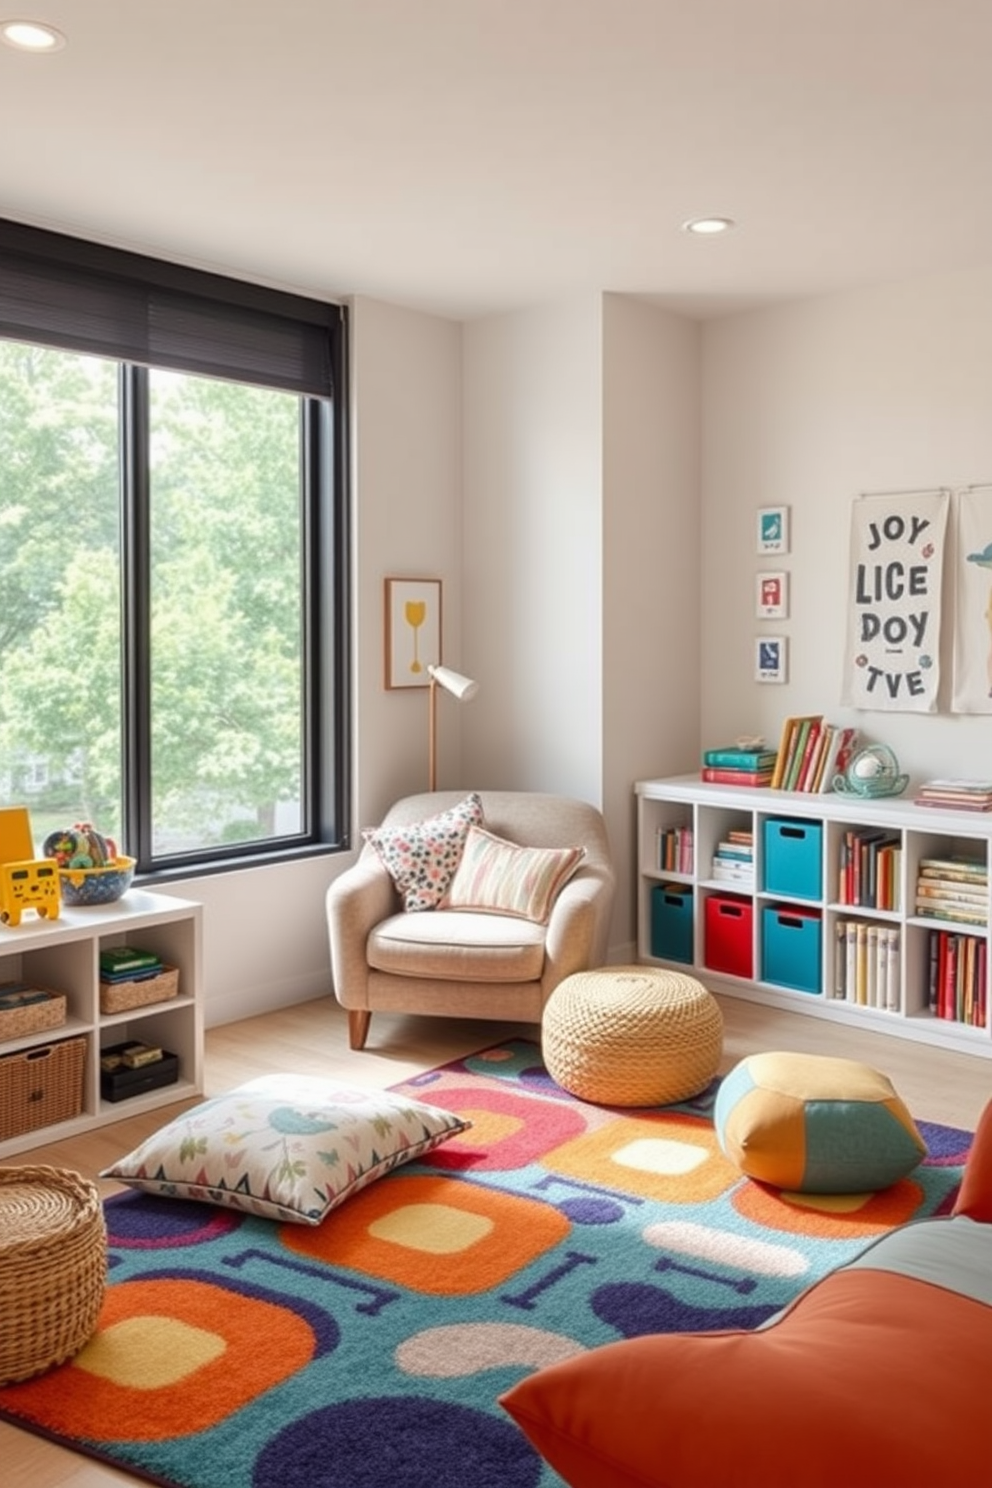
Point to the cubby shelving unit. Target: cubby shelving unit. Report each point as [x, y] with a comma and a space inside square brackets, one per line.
[62, 955]
[785, 926]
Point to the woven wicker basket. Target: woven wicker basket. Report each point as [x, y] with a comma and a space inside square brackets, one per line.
[53, 1267]
[40, 1086]
[33, 1017]
[119, 997]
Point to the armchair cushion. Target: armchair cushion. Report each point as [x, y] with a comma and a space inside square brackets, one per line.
[456, 947]
[421, 857]
[498, 877]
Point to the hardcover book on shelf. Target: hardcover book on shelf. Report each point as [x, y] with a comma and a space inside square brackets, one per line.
[797, 752]
[955, 868]
[715, 775]
[843, 747]
[732, 758]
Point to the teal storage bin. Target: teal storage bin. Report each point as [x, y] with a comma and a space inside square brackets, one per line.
[793, 862]
[791, 945]
[671, 922]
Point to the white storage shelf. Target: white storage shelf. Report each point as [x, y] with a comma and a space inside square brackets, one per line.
[711, 812]
[62, 955]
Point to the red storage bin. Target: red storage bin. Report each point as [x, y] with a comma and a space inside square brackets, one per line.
[730, 935]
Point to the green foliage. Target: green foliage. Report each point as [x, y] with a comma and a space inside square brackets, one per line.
[227, 683]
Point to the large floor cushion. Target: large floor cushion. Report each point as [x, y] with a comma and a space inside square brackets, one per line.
[876, 1375]
[632, 1036]
[814, 1124]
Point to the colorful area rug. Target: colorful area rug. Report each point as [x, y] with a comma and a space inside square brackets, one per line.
[369, 1352]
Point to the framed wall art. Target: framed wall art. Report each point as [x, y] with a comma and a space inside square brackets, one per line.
[770, 654]
[771, 596]
[413, 631]
[773, 529]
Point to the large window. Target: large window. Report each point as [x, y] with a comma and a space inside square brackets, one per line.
[172, 557]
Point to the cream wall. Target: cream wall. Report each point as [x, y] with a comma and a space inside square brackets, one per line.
[581, 444]
[650, 620]
[808, 406]
[532, 559]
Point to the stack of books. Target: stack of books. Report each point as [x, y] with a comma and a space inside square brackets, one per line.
[735, 765]
[128, 964]
[733, 861]
[956, 795]
[811, 753]
[955, 888]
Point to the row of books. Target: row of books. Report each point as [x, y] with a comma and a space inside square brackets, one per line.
[868, 869]
[956, 795]
[954, 889]
[733, 860]
[866, 964]
[958, 977]
[811, 753]
[675, 849]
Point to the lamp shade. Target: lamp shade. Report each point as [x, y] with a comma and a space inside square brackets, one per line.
[463, 688]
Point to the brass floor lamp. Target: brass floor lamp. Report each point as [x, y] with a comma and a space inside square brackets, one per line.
[462, 688]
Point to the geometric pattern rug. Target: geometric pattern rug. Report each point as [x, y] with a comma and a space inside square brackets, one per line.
[369, 1351]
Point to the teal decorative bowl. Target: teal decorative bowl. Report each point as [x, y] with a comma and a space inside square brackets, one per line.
[87, 886]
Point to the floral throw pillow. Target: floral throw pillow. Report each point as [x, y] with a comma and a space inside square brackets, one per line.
[287, 1147]
[421, 857]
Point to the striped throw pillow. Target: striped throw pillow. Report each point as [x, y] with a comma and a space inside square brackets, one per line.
[499, 877]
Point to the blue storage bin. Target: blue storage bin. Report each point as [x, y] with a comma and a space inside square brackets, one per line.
[793, 861]
[791, 943]
[671, 922]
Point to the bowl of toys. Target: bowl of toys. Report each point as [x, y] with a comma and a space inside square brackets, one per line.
[91, 870]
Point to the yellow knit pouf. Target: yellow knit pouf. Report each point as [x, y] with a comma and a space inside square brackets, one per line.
[632, 1036]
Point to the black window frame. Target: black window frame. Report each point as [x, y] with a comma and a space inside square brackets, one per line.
[76, 295]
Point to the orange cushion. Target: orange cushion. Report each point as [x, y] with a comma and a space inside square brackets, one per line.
[869, 1378]
[975, 1194]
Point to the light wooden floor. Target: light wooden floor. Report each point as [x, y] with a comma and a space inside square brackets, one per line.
[936, 1084]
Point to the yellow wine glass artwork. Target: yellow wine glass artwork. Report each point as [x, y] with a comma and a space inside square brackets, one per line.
[415, 613]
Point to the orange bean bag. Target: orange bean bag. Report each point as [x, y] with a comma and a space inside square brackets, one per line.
[875, 1377]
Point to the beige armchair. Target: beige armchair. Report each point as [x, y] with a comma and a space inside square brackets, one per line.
[458, 964]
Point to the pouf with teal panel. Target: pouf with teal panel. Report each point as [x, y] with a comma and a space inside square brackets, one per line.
[814, 1124]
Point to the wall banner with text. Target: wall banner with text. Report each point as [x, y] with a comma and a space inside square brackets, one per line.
[972, 691]
[892, 656]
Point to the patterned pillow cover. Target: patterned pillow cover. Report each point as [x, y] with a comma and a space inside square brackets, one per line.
[499, 877]
[421, 857]
[286, 1147]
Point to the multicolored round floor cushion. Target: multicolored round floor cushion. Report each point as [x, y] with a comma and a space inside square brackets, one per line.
[814, 1124]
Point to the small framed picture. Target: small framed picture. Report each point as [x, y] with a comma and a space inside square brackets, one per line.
[770, 659]
[773, 529]
[771, 596]
[413, 631]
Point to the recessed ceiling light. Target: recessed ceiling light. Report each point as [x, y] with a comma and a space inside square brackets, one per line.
[708, 227]
[31, 36]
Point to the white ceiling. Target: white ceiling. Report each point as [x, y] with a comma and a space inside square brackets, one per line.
[471, 156]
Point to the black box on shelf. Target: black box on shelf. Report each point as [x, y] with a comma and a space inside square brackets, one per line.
[120, 1080]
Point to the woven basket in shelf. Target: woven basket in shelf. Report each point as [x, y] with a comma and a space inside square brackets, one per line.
[120, 997]
[53, 1267]
[33, 1017]
[41, 1086]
